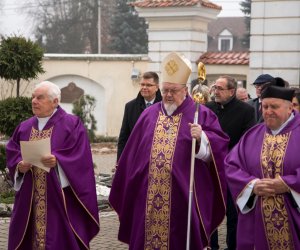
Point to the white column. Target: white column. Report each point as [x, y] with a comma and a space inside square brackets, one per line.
[180, 29]
[275, 40]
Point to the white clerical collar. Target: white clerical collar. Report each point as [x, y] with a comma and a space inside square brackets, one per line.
[277, 131]
[42, 121]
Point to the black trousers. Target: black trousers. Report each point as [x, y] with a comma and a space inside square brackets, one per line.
[231, 225]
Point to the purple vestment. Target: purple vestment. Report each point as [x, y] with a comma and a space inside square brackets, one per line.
[151, 187]
[46, 216]
[274, 222]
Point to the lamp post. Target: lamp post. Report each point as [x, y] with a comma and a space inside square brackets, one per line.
[99, 26]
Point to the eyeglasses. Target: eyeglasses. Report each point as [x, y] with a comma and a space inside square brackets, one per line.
[147, 85]
[171, 91]
[219, 88]
[260, 86]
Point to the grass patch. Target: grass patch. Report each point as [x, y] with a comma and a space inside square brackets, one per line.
[102, 138]
[7, 197]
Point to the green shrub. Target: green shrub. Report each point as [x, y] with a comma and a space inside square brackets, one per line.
[3, 170]
[13, 111]
[2, 156]
[84, 107]
[20, 58]
[7, 197]
[102, 138]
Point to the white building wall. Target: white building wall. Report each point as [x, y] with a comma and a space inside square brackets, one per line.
[275, 40]
[180, 29]
[105, 77]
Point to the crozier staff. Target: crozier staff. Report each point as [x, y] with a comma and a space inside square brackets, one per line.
[151, 184]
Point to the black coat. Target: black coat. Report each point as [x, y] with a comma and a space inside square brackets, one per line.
[255, 104]
[133, 110]
[235, 118]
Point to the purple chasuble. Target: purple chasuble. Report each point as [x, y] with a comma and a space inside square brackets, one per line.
[45, 216]
[274, 222]
[151, 187]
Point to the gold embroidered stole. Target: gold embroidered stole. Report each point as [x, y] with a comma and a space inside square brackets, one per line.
[39, 203]
[158, 203]
[273, 209]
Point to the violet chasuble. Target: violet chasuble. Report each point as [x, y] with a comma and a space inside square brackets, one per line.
[45, 215]
[151, 186]
[274, 223]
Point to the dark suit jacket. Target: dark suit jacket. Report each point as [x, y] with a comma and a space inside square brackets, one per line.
[235, 118]
[133, 110]
[255, 104]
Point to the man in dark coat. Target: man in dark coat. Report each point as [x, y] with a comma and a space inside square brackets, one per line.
[260, 81]
[235, 118]
[148, 95]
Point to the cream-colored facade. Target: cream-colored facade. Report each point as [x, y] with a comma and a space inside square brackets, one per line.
[108, 78]
[275, 49]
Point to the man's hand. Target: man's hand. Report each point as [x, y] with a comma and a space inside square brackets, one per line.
[269, 187]
[279, 186]
[23, 167]
[196, 131]
[49, 161]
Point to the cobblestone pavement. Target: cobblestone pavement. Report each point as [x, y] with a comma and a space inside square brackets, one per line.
[109, 223]
[105, 240]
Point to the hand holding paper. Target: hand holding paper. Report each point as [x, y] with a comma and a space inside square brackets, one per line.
[49, 161]
[34, 151]
[23, 167]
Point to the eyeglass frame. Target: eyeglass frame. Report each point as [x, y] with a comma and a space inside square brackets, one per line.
[147, 85]
[172, 91]
[214, 88]
[260, 86]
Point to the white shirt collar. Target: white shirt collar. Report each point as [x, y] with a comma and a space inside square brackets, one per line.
[42, 121]
[152, 101]
[277, 131]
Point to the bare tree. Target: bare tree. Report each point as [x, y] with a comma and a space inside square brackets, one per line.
[246, 9]
[67, 26]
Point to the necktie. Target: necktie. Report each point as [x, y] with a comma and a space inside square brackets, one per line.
[148, 104]
[259, 110]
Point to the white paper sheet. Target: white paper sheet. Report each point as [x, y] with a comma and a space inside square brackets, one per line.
[33, 151]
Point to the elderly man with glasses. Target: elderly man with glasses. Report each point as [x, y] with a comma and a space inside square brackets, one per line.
[150, 191]
[235, 117]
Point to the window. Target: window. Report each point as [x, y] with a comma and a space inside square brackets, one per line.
[225, 41]
[225, 44]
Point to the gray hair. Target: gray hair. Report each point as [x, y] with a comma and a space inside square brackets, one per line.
[231, 82]
[53, 90]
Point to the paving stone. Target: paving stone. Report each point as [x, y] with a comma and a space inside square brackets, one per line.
[109, 223]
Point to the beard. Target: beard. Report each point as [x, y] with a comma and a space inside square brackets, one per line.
[170, 108]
